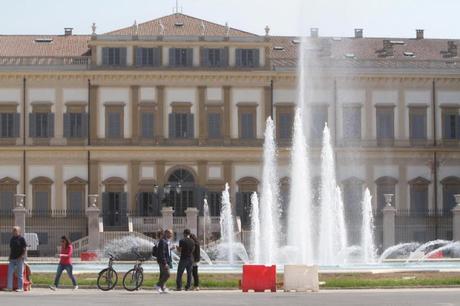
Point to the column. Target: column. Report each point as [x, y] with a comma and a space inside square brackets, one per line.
[167, 217]
[201, 115]
[161, 115]
[94, 175]
[92, 107]
[192, 219]
[389, 213]
[456, 219]
[135, 113]
[92, 213]
[133, 184]
[227, 116]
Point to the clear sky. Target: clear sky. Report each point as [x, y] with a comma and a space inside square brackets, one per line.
[379, 18]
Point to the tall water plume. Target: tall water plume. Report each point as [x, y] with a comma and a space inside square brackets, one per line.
[269, 208]
[300, 206]
[227, 225]
[255, 227]
[369, 250]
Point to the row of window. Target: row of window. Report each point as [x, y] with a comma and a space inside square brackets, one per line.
[181, 125]
[181, 57]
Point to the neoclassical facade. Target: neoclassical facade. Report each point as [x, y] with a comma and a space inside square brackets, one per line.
[182, 102]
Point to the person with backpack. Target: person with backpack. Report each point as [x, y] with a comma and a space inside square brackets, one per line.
[162, 252]
[186, 248]
[196, 262]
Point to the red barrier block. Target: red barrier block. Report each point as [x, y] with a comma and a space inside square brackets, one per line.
[88, 256]
[259, 278]
[4, 278]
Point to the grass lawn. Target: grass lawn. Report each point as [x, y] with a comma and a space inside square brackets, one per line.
[231, 281]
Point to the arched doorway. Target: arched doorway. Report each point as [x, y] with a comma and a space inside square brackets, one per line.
[180, 201]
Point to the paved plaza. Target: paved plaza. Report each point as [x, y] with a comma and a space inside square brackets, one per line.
[39, 297]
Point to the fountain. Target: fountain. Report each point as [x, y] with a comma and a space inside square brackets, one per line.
[206, 222]
[330, 212]
[255, 226]
[269, 208]
[300, 208]
[402, 250]
[420, 252]
[369, 251]
[227, 225]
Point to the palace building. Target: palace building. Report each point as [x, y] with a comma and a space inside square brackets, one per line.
[164, 113]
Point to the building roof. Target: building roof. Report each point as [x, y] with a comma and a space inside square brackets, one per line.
[43, 45]
[179, 24]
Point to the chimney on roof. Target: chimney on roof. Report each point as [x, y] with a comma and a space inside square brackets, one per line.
[314, 32]
[68, 31]
[358, 33]
[419, 33]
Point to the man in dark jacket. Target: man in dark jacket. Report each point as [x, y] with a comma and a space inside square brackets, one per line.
[186, 247]
[18, 247]
[164, 261]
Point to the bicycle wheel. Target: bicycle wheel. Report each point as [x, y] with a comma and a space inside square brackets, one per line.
[107, 279]
[133, 279]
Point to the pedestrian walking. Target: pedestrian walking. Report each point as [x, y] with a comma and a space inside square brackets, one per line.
[186, 247]
[18, 248]
[65, 263]
[163, 254]
[196, 262]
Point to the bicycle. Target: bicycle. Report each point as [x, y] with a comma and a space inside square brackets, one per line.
[134, 278]
[108, 277]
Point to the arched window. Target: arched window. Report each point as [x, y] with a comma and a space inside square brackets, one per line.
[181, 201]
[246, 187]
[385, 185]
[450, 186]
[8, 188]
[41, 195]
[419, 195]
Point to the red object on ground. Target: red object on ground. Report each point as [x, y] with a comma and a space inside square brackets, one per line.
[27, 283]
[258, 278]
[88, 256]
[437, 255]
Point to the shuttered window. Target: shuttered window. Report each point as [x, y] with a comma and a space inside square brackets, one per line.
[318, 121]
[352, 123]
[147, 125]
[451, 125]
[114, 56]
[247, 58]
[419, 198]
[148, 57]
[76, 201]
[181, 126]
[417, 123]
[214, 125]
[41, 125]
[181, 57]
[285, 126]
[9, 125]
[212, 57]
[75, 125]
[114, 124]
[6, 201]
[42, 201]
[385, 123]
[247, 125]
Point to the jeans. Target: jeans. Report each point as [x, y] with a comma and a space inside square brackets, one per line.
[164, 275]
[196, 279]
[19, 265]
[185, 264]
[69, 270]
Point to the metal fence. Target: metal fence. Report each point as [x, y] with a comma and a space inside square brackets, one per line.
[416, 226]
[6, 223]
[50, 225]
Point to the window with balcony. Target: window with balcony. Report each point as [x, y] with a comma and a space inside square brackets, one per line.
[114, 123]
[214, 125]
[41, 122]
[247, 115]
[284, 122]
[450, 124]
[75, 124]
[318, 119]
[181, 121]
[247, 58]
[351, 124]
[41, 195]
[181, 57]
[147, 125]
[385, 125]
[417, 124]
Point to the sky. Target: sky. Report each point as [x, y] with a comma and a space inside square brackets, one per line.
[378, 18]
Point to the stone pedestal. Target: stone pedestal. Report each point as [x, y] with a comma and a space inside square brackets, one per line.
[167, 218]
[20, 212]
[389, 213]
[456, 219]
[93, 228]
[192, 219]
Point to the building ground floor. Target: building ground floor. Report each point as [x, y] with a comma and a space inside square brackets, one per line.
[145, 189]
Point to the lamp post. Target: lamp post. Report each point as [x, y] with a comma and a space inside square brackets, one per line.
[167, 188]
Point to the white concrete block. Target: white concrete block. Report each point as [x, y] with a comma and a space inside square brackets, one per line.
[301, 278]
